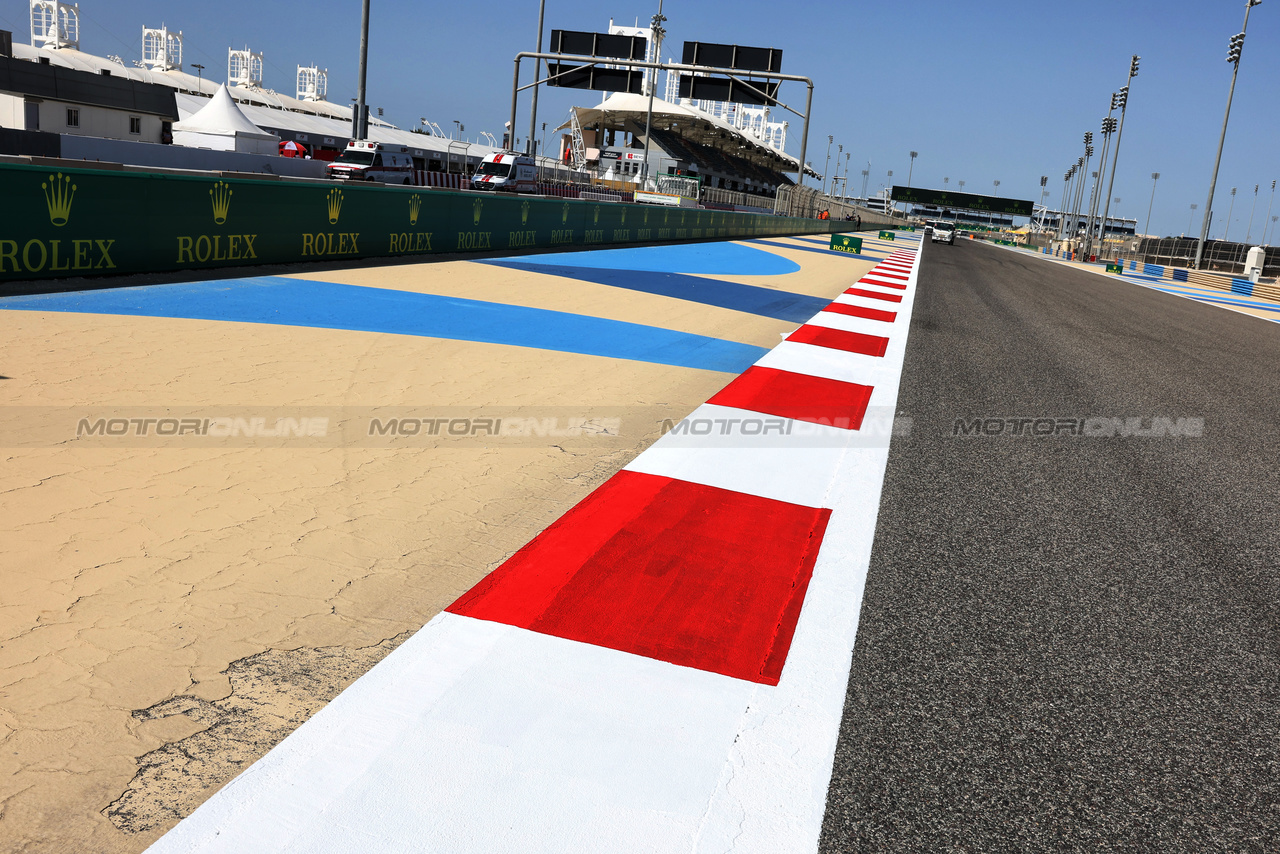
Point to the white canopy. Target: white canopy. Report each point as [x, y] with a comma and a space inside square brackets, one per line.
[222, 117]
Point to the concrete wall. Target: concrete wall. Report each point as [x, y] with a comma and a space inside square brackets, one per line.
[96, 122]
[180, 157]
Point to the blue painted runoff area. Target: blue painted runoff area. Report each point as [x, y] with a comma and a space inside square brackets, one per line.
[1203, 296]
[725, 259]
[750, 299]
[326, 305]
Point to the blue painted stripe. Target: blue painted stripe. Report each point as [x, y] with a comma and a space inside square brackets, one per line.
[326, 305]
[724, 259]
[1201, 296]
[750, 299]
[1244, 287]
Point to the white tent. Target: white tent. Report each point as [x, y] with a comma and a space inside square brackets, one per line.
[222, 126]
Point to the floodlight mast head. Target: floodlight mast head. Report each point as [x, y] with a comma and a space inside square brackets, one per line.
[1233, 51]
[1133, 66]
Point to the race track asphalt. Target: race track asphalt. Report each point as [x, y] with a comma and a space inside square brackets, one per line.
[1069, 642]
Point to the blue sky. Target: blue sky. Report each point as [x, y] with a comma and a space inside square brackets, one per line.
[992, 91]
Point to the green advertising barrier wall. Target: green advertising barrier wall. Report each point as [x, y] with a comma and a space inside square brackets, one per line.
[59, 222]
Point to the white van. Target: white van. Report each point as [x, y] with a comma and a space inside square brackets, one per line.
[374, 161]
[506, 170]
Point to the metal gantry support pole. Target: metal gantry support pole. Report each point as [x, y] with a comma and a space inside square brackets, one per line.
[1233, 56]
[537, 72]
[362, 121]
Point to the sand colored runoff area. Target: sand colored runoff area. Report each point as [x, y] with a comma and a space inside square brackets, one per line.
[174, 605]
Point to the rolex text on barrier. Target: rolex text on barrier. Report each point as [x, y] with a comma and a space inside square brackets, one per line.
[844, 243]
[63, 222]
[886, 235]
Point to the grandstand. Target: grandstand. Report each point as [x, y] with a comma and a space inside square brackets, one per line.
[685, 140]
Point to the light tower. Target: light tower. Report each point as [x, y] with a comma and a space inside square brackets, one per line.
[1233, 56]
[244, 68]
[313, 83]
[55, 24]
[161, 49]
[1155, 176]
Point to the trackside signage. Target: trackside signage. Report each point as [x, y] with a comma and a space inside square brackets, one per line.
[84, 222]
[845, 243]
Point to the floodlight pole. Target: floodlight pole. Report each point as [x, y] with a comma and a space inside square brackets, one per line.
[1213, 182]
[1155, 176]
[537, 71]
[362, 123]
[1115, 158]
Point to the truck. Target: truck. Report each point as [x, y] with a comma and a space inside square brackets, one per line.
[506, 171]
[363, 160]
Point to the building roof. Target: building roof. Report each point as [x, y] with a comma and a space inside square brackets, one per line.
[78, 86]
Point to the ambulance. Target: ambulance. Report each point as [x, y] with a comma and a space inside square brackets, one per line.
[508, 171]
[374, 161]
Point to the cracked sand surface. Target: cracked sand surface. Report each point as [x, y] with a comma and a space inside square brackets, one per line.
[169, 613]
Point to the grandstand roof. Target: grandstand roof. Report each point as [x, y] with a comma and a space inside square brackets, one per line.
[693, 124]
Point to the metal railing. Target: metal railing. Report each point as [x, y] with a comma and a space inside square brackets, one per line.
[1219, 256]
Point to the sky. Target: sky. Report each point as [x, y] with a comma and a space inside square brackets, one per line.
[984, 92]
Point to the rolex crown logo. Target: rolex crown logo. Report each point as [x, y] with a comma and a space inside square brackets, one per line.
[335, 205]
[646, 217]
[596, 219]
[415, 205]
[477, 208]
[624, 216]
[221, 196]
[564, 214]
[524, 212]
[58, 194]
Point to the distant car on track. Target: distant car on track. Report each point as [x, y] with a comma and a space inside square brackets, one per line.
[943, 232]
